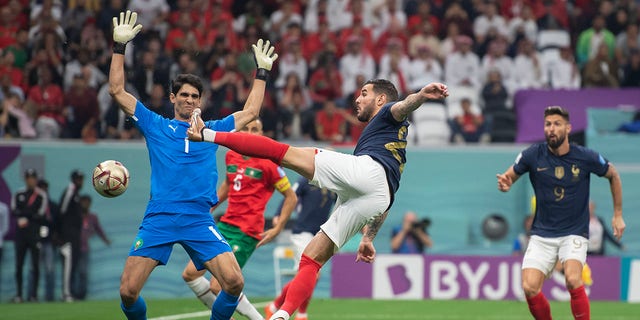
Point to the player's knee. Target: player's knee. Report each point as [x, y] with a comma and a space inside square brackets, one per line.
[233, 284]
[128, 294]
[530, 288]
[188, 275]
[573, 280]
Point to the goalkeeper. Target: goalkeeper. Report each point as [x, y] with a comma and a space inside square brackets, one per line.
[183, 180]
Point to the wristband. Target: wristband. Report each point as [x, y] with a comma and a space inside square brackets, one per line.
[262, 74]
[208, 135]
[119, 47]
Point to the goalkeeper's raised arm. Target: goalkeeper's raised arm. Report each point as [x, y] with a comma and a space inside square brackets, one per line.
[124, 30]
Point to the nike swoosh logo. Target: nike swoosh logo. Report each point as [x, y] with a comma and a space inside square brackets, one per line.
[542, 169]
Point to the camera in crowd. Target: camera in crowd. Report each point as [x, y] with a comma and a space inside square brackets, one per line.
[422, 224]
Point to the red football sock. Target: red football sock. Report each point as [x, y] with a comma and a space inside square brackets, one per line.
[283, 294]
[302, 285]
[539, 307]
[304, 305]
[252, 145]
[580, 304]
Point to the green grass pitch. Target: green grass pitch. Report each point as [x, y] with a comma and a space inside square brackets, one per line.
[325, 309]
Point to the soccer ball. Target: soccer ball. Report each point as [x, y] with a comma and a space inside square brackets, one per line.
[110, 178]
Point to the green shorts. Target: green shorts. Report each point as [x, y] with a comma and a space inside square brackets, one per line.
[241, 244]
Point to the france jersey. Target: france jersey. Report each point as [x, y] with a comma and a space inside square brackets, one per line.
[561, 186]
[385, 140]
[183, 173]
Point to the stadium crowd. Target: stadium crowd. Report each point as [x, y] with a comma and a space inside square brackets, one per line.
[55, 57]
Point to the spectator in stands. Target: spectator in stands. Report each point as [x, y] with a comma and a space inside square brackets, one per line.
[494, 93]
[296, 114]
[356, 61]
[104, 17]
[589, 41]
[631, 71]
[315, 12]
[425, 36]
[18, 123]
[9, 27]
[424, 68]
[469, 126]
[291, 60]
[551, 15]
[423, 14]
[7, 86]
[462, 68]
[599, 233]
[253, 15]
[147, 73]
[448, 44]
[496, 59]
[152, 15]
[523, 25]
[564, 72]
[456, 14]
[19, 49]
[159, 103]
[90, 226]
[527, 70]
[389, 21]
[7, 67]
[182, 37]
[330, 124]
[394, 35]
[226, 85]
[47, 99]
[29, 206]
[83, 112]
[281, 18]
[489, 19]
[412, 235]
[394, 66]
[83, 64]
[74, 17]
[601, 71]
[315, 44]
[325, 82]
[626, 41]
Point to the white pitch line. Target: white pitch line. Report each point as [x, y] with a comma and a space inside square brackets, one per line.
[198, 314]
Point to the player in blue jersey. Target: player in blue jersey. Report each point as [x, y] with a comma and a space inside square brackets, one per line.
[365, 182]
[560, 173]
[183, 180]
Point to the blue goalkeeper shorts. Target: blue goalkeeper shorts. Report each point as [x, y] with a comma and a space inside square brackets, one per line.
[196, 233]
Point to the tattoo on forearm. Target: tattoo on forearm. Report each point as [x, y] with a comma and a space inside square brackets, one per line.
[374, 226]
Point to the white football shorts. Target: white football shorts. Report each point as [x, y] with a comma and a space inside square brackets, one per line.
[543, 253]
[362, 189]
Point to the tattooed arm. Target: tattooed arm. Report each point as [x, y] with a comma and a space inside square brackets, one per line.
[366, 250]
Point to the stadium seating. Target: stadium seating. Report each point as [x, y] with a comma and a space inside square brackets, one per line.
[283, 253]
[431, 127]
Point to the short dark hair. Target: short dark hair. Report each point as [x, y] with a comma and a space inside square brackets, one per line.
[383, 86]
[551, 110]
[186, 78]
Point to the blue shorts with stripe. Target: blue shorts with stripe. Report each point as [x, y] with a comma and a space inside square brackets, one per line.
[195, 232]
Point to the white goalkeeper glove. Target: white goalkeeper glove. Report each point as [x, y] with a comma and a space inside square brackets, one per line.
[264, 57]
[124, 30]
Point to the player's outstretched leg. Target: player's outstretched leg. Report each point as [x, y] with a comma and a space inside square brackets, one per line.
[249, 144]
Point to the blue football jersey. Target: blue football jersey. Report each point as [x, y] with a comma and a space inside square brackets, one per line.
[385, 140]
[561, 185]
[183, 173]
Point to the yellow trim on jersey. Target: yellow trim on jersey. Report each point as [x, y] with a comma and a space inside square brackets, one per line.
[283, 184]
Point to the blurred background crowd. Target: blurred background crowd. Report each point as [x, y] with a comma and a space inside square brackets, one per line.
[54, 59]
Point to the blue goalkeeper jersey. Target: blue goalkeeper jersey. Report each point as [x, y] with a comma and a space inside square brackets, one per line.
[561, 186]
[183, 173]
[385, 140]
